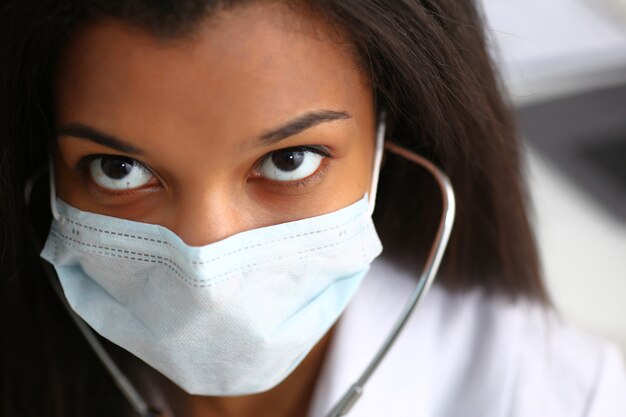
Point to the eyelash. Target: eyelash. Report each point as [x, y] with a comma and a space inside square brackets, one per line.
[317, 149]
[82, 165]
[305, 181]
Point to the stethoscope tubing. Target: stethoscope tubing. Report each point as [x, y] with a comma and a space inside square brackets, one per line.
[431, 267]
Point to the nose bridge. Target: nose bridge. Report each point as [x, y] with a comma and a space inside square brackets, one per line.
[208, 215]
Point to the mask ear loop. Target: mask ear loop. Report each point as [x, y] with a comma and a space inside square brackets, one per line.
[433, 261]
[124, 385]
[53, 190]
[378, 157]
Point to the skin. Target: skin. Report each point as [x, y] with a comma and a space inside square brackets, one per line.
[194, 108]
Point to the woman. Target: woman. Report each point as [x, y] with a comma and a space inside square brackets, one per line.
[237, 128]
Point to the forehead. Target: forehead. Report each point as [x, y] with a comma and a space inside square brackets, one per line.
[242, 70]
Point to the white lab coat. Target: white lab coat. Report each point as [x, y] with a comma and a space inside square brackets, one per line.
[466, 355]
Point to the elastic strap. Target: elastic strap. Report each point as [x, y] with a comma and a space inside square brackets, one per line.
[53, 191]
[378, 157]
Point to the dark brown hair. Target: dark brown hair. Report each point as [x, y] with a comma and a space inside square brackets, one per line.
[429, 68]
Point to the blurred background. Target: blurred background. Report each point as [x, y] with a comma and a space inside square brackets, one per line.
[563, 63]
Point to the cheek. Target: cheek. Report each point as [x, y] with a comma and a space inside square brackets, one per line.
[363, 151]
[364, 173]
[67, 182]
[353, 174]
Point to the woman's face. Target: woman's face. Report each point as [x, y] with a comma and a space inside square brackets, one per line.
[262, 116]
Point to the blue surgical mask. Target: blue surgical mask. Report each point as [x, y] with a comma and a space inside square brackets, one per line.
[233, 317]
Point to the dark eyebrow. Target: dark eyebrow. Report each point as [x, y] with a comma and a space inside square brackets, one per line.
[302, 123]
[297, 125]
[81, 131]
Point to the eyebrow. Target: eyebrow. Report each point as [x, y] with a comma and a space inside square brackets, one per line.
[81, 131]
[293, 127]
[302, 123]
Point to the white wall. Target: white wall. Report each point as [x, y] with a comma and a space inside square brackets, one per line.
[548, 48]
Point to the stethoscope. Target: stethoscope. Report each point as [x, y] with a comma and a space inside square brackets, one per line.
[352, 395]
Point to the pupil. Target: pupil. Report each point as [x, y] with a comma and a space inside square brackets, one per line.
[116, 168]
[288, 160]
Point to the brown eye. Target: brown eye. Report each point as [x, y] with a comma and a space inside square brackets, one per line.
[119, 173]
[290, 164]
[288, 160]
